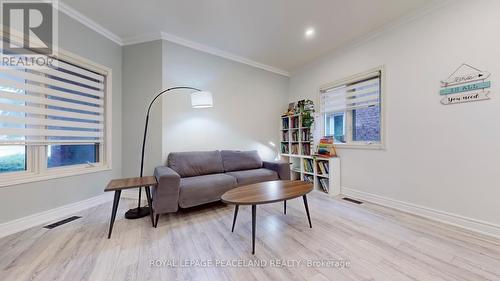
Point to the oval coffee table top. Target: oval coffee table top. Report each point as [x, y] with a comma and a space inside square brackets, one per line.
[267, 192]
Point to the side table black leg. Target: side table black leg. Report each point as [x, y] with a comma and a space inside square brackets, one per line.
[307, 210]
[150, 203]
[236, 207]
[113, 212]
[284, 207]
[254, 212]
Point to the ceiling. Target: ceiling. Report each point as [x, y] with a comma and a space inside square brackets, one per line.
[269, 32]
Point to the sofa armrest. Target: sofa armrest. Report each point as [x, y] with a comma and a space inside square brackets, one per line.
[166, 194]
[280, 167]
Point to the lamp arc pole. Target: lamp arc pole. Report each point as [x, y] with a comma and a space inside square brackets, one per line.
[140, 212]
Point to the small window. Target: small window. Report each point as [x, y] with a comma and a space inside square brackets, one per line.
[352, 110]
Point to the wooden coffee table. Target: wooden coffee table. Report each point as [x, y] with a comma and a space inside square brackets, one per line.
[264, 193]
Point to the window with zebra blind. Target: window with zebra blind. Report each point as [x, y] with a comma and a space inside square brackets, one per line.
[352, 110]
[54, 120]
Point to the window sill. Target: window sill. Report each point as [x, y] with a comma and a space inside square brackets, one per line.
[21, 178]
[377, 146]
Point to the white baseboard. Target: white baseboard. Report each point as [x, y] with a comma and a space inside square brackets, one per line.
[474, 225]
[21, 224]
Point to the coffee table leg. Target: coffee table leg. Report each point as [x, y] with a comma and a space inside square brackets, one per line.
[284, 207]
[150, 203]
[254, 213]
[307, 210]
[113, 212]
[236, 207]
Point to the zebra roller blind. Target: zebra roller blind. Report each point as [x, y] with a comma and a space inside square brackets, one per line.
[360, 93]
[57, 105]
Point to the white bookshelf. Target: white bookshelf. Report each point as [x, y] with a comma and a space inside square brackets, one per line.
[298, 157]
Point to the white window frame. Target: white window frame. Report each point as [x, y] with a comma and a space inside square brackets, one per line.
[348, 126]
[36, 167]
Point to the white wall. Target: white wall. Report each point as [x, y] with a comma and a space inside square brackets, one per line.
[440, 157]
[247, 104]
[142, 80]
[25, 199]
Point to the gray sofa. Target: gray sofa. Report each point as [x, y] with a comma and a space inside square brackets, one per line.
[195, 178]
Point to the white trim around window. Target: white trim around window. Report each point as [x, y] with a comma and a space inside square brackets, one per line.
[37, 170]
[350, 144]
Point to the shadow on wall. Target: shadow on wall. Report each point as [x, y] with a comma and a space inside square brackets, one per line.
[202, 133]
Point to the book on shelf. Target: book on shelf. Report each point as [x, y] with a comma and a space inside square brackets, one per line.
[295, 121]
[295, 148]
[306, 149]
[295, 136]
[285, 148]
[285, 136]
[308, 178]
[308, 165]
[285, 123]
[306, 135]
[322, 167]
[323, 182]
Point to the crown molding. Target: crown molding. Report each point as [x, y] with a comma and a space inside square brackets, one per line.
[141, 38]
[148, 37]
[69, 11]
[221, 53]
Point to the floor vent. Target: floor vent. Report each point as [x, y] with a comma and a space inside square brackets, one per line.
[352, 200]
[61, 222]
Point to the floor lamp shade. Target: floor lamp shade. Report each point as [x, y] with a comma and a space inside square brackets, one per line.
[201, 99]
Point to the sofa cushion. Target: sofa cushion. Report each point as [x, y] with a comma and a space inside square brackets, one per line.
[204, 189]
[195, 163]
[234, 160]
[253, 176]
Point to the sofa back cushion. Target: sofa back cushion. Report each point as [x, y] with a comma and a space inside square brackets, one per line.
[195, 163]
[234, 160]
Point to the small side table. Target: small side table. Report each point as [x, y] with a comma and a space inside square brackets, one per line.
[121, 184]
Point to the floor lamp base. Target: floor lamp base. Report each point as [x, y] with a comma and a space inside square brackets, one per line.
[137, 213]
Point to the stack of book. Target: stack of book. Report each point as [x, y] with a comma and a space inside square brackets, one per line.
[326, 147]
[323, 182]
[308, 165]
[323, 167]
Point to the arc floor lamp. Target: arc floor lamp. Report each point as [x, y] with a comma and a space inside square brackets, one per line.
[199, 99]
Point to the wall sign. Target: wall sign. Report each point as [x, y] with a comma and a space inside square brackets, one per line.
[465, 84]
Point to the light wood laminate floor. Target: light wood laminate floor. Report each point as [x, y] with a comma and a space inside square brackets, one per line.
[379, 243]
